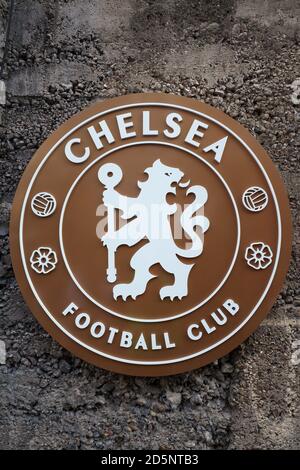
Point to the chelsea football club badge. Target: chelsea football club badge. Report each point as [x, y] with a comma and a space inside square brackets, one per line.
[150, 234]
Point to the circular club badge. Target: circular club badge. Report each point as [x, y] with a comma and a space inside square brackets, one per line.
[150, 234]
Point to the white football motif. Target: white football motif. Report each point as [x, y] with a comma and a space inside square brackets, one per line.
[255, 199]
[43, 204]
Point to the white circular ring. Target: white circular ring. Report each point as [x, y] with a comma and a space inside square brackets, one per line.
[146, 320]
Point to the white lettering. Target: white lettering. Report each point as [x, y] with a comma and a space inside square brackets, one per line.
[123, 126]
[141, 343]
[190, 333]
[112, 332]
[194, 131]
[168, 343]
[146, 124]
[126, 339]
[104, 132]
[86, 320]
[218, 148]
[154, 344]
[195, 331]
[208, 329]
[97, 324]
[171, 122]
[231, 306]
[71, 156]
[218, 320]
[71, 308]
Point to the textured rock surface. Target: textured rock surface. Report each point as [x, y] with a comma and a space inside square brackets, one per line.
[240, 56]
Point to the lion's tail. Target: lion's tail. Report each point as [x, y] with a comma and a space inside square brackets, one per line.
[190, 223]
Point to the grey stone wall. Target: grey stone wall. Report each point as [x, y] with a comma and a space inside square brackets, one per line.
[237, 55]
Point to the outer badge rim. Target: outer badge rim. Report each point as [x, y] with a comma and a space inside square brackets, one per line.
[246, 330]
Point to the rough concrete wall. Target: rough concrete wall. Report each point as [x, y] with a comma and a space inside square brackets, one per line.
[240, 56]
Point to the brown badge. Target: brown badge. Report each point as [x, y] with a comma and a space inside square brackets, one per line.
[150, 234]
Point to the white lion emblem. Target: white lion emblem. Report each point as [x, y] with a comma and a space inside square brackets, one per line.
[150, 211]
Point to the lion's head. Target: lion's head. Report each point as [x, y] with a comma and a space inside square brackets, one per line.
[163, 176]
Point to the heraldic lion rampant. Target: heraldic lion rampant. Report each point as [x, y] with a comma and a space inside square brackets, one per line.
[151, 221]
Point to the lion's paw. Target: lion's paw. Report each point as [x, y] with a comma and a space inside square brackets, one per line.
[124, 291]
[172, 292]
